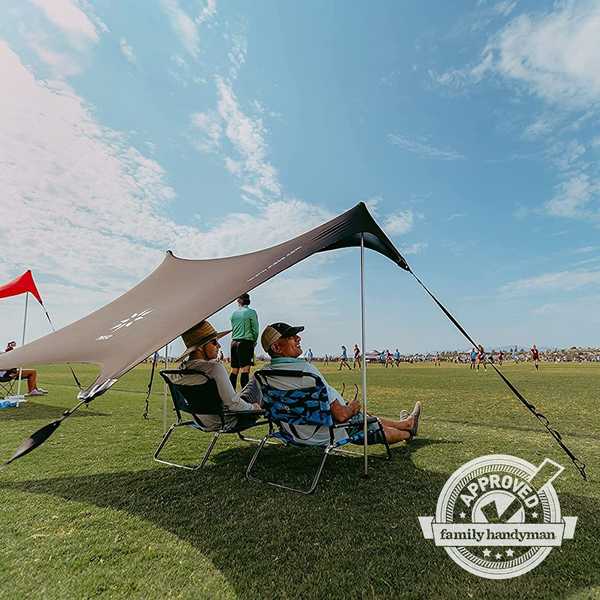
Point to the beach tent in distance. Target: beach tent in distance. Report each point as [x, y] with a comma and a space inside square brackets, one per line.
[182, 292]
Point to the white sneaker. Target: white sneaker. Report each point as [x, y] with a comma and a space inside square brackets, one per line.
[42, 390]
[404, 414]
[35, 392]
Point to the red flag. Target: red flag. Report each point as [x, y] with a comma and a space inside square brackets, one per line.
[20, 285]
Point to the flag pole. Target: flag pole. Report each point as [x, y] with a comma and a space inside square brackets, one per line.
[23, 341]
[364, 350]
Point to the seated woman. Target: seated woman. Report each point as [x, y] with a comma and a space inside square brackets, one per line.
[202, 343]
[29, 374]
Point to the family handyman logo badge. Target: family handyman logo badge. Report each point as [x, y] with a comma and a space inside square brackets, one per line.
[498, 516]
[124, 323]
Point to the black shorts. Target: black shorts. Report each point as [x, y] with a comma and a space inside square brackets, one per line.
[242, 354]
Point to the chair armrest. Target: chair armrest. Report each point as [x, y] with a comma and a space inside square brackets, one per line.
[234, 413]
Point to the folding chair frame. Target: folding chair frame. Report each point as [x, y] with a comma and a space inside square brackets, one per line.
[7, 386]
[332, 448]
[197, 425]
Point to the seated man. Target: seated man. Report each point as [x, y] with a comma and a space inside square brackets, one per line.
[202, 343]
[282, 343]
[29, 374]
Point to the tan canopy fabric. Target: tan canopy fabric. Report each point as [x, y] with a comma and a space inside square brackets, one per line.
[180, 293]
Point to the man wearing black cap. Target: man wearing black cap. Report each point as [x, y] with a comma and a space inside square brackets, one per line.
[244, 333]
[282, 343]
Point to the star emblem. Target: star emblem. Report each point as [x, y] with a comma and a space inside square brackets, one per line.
[486, 553]
[509, 552]
[534, 515]
[462, 515]
[498, 556]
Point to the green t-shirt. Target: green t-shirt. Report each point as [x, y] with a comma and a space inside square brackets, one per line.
[244, 324]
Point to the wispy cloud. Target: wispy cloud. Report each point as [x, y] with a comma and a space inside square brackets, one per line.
[68, 16]
[555, 54]
[127, 51]
[107, 199]
[399, 223]
[573, 197]
[562, 281]
[423, 149]
[183, 25]
[415, 248]
[240, 139]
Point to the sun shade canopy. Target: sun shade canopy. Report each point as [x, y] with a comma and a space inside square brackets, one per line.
[179, 294]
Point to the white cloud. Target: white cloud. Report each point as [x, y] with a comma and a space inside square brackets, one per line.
[573, 197]
[247, 137]
[423, 149]
[399, 223]
[87, 212]
[415, 248]
[68, 16]
[554, 54]
[208, 12]
[562, 281]
[127, 51]
[183, 25]
[210, 130]
[505, 8]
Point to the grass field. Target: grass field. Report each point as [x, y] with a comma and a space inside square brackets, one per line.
[90, 515]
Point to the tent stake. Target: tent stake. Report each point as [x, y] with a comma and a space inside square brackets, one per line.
[363, 361]
[23, 342]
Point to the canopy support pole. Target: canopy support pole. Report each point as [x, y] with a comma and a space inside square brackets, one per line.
[363, 361]
[165, 392]
[23, 341]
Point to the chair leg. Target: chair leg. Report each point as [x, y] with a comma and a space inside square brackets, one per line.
[173, 464]
[313, 485]
[209, 449]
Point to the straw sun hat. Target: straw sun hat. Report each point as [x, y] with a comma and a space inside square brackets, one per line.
[199, 335]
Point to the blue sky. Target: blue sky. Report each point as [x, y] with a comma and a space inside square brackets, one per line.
[471, 129]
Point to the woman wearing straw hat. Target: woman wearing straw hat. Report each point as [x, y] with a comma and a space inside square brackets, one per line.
[202, 348]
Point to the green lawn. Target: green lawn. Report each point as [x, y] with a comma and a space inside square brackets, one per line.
[90, 515]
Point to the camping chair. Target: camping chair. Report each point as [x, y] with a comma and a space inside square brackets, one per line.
[303, 406]
[7, 383]
[200, 399]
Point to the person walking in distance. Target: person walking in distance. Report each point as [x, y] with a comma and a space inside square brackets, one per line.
[244, 333]
[356, 363]
[344, 359]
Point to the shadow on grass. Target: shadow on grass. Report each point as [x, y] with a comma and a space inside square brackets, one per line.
[29, 411]
[355, 538]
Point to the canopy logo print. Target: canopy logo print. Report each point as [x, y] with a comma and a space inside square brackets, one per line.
[123, 323]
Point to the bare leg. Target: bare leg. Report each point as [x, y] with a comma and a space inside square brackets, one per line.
[404, 425]
[31, 376]
[393, 436]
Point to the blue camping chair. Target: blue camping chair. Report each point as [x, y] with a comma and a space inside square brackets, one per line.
[202, 399]
[304, 406]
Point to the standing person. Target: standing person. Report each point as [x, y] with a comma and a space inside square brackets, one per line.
[535, 356]
[481, 357]
[473, 358]
[344, 359]
[500, 357]
[309, 355]
[388, 359]
[397, 357]
[356, 363]
[244, 333]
